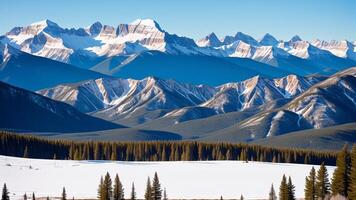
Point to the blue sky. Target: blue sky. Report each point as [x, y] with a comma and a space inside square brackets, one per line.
[310, 19]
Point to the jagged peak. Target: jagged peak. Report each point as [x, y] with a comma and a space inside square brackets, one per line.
[245, 38]
[45, 22]
[212, 35]
[268, 39]
[295, 38]
[95, 28]
[146, 22]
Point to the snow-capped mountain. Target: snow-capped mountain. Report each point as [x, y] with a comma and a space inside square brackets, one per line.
[257, 107]
[210, 40]
[114, 98]
[48, 39]
[327, 103]
[268, 40]
[120, 96]
[86, 47]
[257, 91]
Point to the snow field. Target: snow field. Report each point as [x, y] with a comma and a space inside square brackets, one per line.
[182, 179]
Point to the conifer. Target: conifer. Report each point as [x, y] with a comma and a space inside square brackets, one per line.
[310, 186]
[340, 180]
[25, 196]
[291, 190]
[101, 189]
[283, 189]
[272, 194]
[33, 196]
[322, 182]
[5, 193]
[148, 192]
[118, 189]
[107, 187]
[352, 176]
[156, 188]
[64, 194]
[133, 192]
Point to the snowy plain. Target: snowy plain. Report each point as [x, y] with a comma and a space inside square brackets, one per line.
[182, 179]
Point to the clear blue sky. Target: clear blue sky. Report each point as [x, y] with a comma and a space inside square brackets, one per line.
[310, 19]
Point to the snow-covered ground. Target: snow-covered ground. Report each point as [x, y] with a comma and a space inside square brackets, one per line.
[193, 179]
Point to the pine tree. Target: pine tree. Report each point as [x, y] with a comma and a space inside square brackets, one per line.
[118, 189]
[283, 189]
[322, 182]
[101, 189]
[47, 198]
[352, 177]
[64, 194]
[5, 193]
[165, 197]
[291, 189]
[107, 187]
[33, 196]
[148, 192]
[25, 196]
[221, 198]
[272, 194]
[133, 192]
[156, 188]
[310, 186]
[340, 177]
[242, 197]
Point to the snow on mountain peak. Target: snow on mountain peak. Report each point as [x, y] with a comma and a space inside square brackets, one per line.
[268, 40]
[45, 22]
[146, 22]
[210, 40]
[246, 38]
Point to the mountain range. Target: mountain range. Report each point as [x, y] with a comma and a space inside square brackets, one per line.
[138, 82]
[142, 48]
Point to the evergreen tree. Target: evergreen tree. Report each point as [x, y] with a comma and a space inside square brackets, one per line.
[33, 196]
[133, 192]
[64, 194]
[156, 188]
[272, 194]
[221, 198]
[352, 185]
[148, 192]
[118, 189]
[47, 198]
[310, 186]
[5, 193]
[291, 189]
[165, 197]
[101, 189]
[242, 197]
[107, 187]
[283, 189]
[25, 196]
[322, 182]
[340, 177]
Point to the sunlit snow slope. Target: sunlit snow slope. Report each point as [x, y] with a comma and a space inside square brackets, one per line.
[188, 180]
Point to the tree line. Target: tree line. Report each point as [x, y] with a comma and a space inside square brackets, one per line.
[36, 147]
